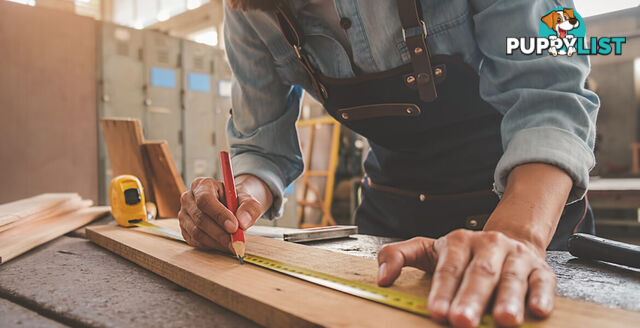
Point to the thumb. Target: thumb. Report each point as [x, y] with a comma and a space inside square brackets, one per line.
[248, 212]
[393, 257]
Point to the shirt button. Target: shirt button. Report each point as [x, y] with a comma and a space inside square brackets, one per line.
[345, 23]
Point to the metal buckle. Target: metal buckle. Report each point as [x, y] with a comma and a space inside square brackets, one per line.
[424, 29]
[298, 49]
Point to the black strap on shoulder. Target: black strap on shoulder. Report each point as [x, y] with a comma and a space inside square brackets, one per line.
[410, 18]
[294, 35]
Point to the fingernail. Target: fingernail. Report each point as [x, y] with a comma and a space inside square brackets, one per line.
[544, 303]
[229, 226]
[440, 307]
[381, 270]
[470, 313]
[245, 219]
[512, 310]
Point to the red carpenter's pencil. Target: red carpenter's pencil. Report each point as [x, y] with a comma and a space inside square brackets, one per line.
[231, 198]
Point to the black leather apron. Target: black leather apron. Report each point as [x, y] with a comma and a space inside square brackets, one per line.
[434, 142]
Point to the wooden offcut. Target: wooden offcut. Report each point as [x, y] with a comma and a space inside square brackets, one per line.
[166, 180]
[63, 208]
[21, 238]
[276, 300]
[124, 141]
[27, 207]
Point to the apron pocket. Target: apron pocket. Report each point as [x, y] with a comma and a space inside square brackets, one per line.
[378, 110]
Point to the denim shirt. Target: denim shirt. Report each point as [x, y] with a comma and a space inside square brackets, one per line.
[549, 117]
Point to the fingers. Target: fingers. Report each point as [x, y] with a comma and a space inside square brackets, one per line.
[198, 228]
[197, 219]
[542, 287]
[470, 267]
[207, 194]
[512, 289]
[198, 238]
[249, 211]
[479, 281]
[416, 252]
[453, 257]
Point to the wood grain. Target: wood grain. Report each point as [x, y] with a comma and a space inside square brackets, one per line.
[124, 141]
[24, 237]
[23, 208]
[275, 300]
[62, 209]
[166, 180]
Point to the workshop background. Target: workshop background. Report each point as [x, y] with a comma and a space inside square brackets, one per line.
[89, 87]
[67, 64]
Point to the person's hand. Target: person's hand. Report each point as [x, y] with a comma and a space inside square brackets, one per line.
[206, 223]
[468, 268]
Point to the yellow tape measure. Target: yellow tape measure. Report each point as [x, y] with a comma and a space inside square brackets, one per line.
[160, 230]
[386, 296]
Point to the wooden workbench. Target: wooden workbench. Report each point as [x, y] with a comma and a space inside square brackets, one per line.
[614, 193]
[73, 282]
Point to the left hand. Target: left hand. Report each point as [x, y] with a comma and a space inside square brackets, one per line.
[468, 267]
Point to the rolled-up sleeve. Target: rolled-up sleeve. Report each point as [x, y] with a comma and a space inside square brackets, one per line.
[549, 117]
[261, 132]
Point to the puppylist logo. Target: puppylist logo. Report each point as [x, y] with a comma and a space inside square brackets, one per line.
[563, 33]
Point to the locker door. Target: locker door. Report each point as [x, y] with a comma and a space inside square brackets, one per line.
[222, 97]
[163, 114]
[199, 119]
[120, 85]
[122, 77]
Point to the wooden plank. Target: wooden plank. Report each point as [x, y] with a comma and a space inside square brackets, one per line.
[62, 209]
[614, 193]
[24, 237]
[275, 300]
[124, 140]
[23, 208]
[164, 176]
[600, 184]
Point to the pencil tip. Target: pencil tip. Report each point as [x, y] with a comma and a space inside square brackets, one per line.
[241, 258]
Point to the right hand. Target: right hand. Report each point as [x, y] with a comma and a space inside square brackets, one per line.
[205, 221]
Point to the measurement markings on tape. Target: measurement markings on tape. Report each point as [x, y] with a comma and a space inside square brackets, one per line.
[166, 232]
[390, 297]
[386, 296]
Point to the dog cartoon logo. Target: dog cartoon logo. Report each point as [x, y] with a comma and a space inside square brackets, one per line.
[564, 24]
[562, 32]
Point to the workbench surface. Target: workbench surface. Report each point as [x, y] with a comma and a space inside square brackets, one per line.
[71, 281]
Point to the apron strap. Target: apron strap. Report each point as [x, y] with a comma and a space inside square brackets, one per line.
[410, 18]
[411, 21]
[294, 36]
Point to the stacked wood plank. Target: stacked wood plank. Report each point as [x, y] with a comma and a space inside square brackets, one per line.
[30, 222]
[167, 181]
[149, 161]
[275, 300]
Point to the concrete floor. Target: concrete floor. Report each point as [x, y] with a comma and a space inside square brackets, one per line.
[14, 315]
[75, 282]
